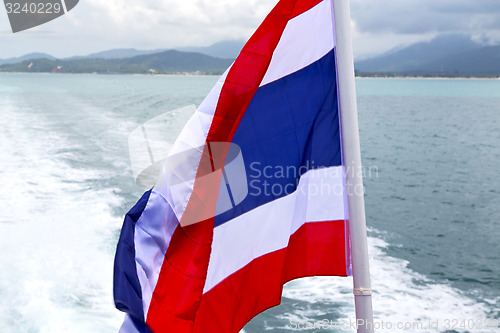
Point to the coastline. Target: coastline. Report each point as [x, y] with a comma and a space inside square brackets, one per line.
[194, 74]
[431, 77]
[108, 74]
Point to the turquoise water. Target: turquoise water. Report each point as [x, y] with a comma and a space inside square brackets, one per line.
[436, 144]
[430, 150]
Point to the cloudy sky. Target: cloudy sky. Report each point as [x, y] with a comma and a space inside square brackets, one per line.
[378, 25]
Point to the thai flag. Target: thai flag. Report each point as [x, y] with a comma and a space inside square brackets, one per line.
[253, 192]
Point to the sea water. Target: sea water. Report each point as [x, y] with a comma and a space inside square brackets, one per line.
[430, 152]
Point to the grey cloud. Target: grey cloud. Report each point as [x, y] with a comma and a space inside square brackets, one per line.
[426, 16]
[466, 6]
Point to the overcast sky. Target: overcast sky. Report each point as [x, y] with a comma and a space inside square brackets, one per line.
[378, 25]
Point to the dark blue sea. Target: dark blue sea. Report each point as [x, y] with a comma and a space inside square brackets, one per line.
[430, 150]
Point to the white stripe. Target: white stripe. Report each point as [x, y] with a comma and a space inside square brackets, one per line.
[152, 235]
[191, 138]
[319, 197]
[128, 326]
[306, 39]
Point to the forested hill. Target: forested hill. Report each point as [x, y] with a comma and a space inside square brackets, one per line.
[166, 62]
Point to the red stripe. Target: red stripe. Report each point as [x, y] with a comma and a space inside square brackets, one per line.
[303, 6]
[182, 277]
[315, 249]
[178, 293]
[239, 87]
[247, 73]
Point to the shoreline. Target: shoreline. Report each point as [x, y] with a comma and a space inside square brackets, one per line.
[431, 77]
[104, 74]
[197, 74]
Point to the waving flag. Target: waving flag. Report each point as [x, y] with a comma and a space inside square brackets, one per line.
[252, 194]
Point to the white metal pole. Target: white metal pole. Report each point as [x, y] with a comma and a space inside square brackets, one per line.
[352, 161]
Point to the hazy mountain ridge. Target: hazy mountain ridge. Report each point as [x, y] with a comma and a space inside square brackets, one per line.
[446, 54]
[213, 59]
[228, 49]
[485, 60]
[34, 55]
[166, 62]
[116, 54]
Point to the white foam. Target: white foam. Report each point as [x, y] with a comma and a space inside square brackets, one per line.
[55, 233]
[400, 295]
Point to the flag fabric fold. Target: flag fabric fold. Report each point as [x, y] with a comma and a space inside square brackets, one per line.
[185, 265]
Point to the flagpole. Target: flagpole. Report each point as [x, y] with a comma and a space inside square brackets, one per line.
[352, 161]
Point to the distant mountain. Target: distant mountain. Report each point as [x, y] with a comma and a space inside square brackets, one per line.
[117, 54]
[29, 56]
[166, 62]
[226, 50]
[177, 61]
[485, 60]
[229, 49]
[419, 57]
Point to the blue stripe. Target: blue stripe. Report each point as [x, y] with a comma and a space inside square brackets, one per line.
[126, 286]
[291, 126]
